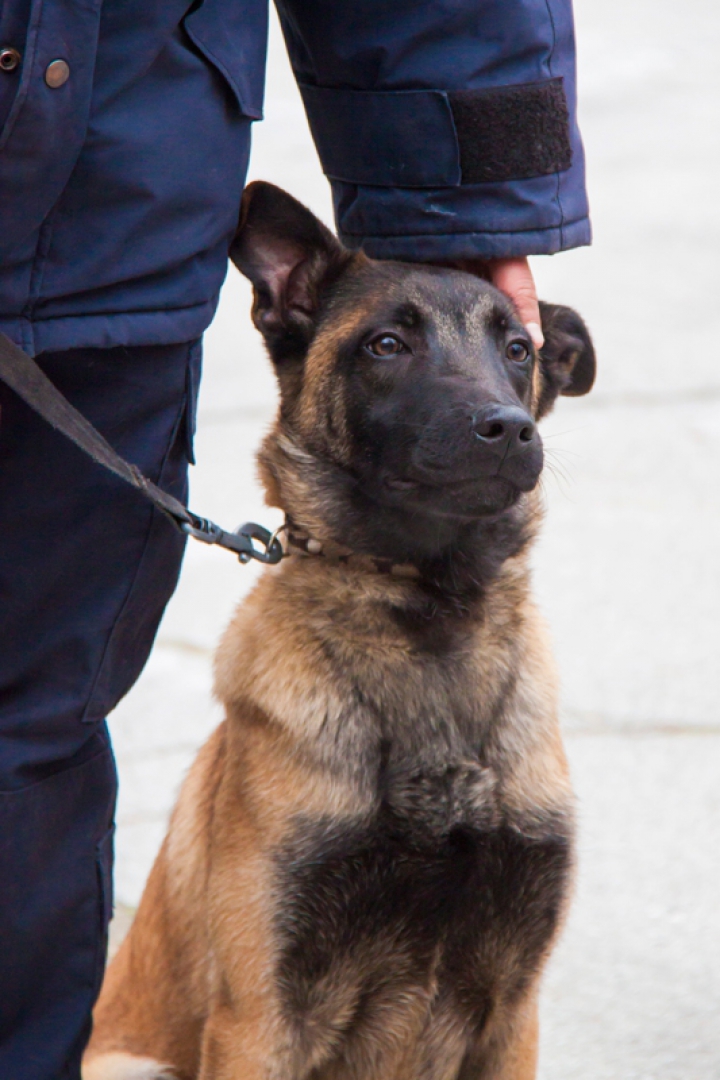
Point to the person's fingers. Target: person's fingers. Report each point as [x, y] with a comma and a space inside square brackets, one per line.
[514, 278]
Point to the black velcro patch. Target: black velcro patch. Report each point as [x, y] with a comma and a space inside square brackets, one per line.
[512, 132]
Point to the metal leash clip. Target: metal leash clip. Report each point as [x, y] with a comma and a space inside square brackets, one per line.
[240, 541]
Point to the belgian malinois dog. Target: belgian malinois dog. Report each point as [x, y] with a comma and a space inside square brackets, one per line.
[370, 858]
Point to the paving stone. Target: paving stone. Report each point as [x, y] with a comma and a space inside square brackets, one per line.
[633, 988]
[627, 567]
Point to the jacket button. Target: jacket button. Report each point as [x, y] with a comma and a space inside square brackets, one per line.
[9, 59]
[57, 73]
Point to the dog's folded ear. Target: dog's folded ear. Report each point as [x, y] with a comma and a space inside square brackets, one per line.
[288, 255]
[567, 357]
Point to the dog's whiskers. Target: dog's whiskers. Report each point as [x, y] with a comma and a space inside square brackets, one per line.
[563, 479]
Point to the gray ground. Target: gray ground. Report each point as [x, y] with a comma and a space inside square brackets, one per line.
[626, 569]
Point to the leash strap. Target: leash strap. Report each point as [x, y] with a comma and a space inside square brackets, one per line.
[23, 375]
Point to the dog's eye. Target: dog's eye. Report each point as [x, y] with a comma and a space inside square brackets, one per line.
[386, 345]
[517, 351]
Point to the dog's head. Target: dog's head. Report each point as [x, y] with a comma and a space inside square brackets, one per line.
[409, 393]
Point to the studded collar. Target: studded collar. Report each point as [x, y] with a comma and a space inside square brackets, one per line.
[297, 541]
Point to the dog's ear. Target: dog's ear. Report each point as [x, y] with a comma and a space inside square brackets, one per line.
[288, 255]
[567, 357]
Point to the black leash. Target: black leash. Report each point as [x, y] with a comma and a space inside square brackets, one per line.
[25, 377]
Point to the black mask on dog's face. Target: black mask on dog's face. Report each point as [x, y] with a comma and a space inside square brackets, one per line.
[440, 376]
[414, 390]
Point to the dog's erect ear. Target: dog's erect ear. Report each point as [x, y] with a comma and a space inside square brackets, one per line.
[567, 357]
[288, 255]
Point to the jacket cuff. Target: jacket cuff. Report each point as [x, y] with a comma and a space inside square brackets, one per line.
[432, 174]
[426, 247]
[538, 216]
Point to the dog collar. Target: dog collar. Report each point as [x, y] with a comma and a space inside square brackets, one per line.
[299, 542]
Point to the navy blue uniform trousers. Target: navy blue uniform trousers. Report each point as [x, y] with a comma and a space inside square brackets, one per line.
[86, 568]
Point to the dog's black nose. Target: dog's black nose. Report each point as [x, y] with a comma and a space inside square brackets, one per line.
[504, 428]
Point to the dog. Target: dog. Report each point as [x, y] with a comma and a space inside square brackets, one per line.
[371, 857]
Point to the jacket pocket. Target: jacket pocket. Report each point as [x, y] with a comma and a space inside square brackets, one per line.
[152, 565]
[233, 38]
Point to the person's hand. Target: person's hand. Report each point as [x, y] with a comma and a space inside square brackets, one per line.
[514, 278]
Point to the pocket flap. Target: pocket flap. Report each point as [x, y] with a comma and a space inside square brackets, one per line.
[233, 37]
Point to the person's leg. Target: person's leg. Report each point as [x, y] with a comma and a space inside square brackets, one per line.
[86, 568]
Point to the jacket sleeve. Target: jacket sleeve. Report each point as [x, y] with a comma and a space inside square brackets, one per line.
[447, 128]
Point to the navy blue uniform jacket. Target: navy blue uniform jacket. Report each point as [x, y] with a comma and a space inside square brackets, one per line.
[447, 129]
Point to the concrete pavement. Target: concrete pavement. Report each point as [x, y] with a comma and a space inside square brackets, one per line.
[626, 572]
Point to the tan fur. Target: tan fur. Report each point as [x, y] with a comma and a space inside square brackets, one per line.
[314, 673]
[194, 979]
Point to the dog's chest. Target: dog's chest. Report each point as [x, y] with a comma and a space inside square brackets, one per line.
[434, 894]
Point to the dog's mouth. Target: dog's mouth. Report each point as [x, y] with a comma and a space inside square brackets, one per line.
[464, 498]
[407, 483]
